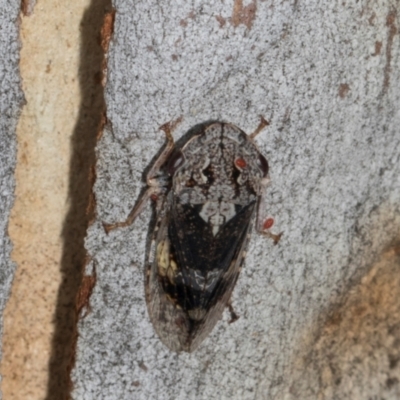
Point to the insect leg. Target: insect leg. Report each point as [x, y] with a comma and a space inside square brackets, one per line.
[140, 204]
[263, 123]
[155, 184]
[167, 128]
[274, 237]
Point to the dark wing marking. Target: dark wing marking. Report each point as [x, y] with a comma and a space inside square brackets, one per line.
[203, 258]
[208, 266]
[222, 293]
[185, 310]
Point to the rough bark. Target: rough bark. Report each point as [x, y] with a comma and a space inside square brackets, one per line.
[319, 313]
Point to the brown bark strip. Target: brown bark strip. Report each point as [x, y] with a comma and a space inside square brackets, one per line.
[106, 33]
[390, 23]
[107, 30]
[27, 7]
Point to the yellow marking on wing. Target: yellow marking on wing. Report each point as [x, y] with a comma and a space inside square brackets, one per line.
[163, 257]
[171, 271]
[173, 265]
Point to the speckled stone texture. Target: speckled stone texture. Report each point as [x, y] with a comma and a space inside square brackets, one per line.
[319, 313]
[11, 99]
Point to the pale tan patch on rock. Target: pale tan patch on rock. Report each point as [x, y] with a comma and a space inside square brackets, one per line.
[243, 14]
[37, 321]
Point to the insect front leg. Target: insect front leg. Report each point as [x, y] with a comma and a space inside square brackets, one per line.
[169, 148]
[151, 192]
[156, 184]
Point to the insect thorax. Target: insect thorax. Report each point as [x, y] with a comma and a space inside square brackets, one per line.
[219, 175]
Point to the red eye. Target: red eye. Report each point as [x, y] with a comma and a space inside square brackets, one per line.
[268, 223]
[240, 163]
[263, 164]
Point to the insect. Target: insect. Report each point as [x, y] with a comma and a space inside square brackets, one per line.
[207, 193]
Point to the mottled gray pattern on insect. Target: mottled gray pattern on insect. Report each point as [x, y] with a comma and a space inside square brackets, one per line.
[207, 193]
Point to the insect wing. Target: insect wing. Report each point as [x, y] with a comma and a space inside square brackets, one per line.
[168, 321]
[204, 260]
[193, 273]
[222, 258]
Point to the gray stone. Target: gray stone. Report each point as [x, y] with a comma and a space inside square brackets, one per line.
[327, 77]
